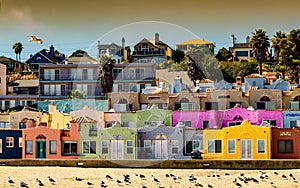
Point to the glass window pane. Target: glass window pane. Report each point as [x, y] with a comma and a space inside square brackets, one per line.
[289, 146]
[218, 146]
[231, 146]
[261, 146]
[211, 146]
[53, 146]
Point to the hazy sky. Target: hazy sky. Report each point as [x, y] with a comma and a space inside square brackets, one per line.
[72, 25]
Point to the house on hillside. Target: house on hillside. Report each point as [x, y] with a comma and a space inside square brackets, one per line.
[151, 51]
[13, 65]
[44, 57]
[185, 46]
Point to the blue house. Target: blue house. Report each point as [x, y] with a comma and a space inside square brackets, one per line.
[10, 144]
[45, 56]
[291, 119]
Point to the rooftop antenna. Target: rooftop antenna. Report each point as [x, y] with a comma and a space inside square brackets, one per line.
[233, 39]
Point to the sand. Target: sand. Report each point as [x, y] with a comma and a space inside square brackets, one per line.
[65, 177]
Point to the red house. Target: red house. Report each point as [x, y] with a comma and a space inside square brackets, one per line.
[285, 143]
[42, 142]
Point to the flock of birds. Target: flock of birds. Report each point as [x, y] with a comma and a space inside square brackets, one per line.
[240, 181]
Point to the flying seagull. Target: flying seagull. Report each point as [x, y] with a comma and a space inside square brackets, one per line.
[34, 39]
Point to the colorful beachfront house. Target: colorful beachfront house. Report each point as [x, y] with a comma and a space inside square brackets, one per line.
[285, 143]
[42, 142]
[244, 141]
[265, 99]
[126, 119]
[55, 119]
[164, 142]
[113, 143]
[197, 119]
[237, 115]
[291, 119]
[153, 116]
[10, 143]
[86, 113]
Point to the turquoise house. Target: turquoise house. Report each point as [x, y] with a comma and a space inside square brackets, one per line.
[291, 119]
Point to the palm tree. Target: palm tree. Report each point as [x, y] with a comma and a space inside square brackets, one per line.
[276, 43]
[260, 44]
[106, 74]
[18, 47]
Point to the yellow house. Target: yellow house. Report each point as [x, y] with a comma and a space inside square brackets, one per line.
[184, 46]
[56, 119]
[244, 141]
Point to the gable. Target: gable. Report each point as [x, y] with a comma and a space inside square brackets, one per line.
[39, 58]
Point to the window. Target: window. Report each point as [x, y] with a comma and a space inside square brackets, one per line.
[186, 123]
[53, 147]
[214, 146]
[261, 146]
[20, 142]
[89, 147]
[28, 146]
[294, 123]
[129, 147]
[265, 105]
[175, 146]
[4, 124]
[69, 147]
[184, 106]
[205, 124]
[211, 106]
[272, 122]
[147, 146]
[9, 142]
[122, 107]
[285, 146]
[234, 123]
[294, 105]
[22, 125]
[231, 147]
[104, 147]
[93, 130]
[0, 145]
[192, 145]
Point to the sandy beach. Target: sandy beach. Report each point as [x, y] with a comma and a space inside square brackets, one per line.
[65, 177]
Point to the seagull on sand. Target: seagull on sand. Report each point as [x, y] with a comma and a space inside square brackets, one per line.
[89, 183]
[143, 186]
[51, 180]
[39, 182]
[23, 184]
[154, 179]
[78, 179]
[35, 39]
[108, 177]
[10, 181]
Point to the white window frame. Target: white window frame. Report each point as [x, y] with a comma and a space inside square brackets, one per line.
[147, 145]
[264, 146]
[9, 142]
[129, 147]
[175, 145]
[107, 146]
[228, 149]
[20, 142]
[88, 142]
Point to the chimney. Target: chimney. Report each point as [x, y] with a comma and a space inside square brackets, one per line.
[51, 108]
[123, 42]
[247, 39]
[52, 50]
[156, 38]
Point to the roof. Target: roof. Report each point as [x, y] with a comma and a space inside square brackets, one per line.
[195, 41]
[5, 59]
[254, 76]
[82, 59]
[27, 83]
[168, 77]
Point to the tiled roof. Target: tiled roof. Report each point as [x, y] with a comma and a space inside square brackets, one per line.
[195, 41]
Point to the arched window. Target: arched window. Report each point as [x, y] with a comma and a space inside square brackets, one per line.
[123, 101]
[238, 118]
[297, 98]
[264, 98]
[184, 100]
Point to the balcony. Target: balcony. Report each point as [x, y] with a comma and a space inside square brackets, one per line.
[67, 78]
[148, 53]
[133, 77]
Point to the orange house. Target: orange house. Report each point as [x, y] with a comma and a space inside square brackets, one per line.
[42, 142]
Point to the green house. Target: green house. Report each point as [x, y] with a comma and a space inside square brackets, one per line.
[153, 116]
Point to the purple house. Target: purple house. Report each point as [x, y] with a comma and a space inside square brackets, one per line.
[197, 119]
[226, 118]
[235, 116]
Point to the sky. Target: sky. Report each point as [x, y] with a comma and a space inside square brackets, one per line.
[70, 25]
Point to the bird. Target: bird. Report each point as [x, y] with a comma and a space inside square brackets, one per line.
[9, 180]
[89, 183]
[35, 39]
[103, 184]
[238, 184]
[141, 176]
[210, 186]
[154, 179]
[78, 179]
[227, 174]
[198, 184]
[39, 182]
[143, 186]
[118, 181]
[283, 176]
[23, 184]
[51, 179]
[291, 175]
[108, 177]
[276, 173]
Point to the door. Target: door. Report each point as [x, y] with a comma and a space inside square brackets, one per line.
[246, 149]
[117, 150]
[40, 149]
[161, 149]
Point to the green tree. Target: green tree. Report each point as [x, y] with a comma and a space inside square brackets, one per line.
[224, 55]
[260, 44]
[18, 47]
[79, 53]
[177, 55]
[76, 94]
[277, 38]
[201, 64]
[106, 73]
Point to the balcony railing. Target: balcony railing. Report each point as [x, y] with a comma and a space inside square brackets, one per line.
[146, 53]
[137, 76]
[66, 77]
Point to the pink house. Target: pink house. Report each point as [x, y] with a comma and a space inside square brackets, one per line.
[235, 116]
[42, 142]
[226, 118]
